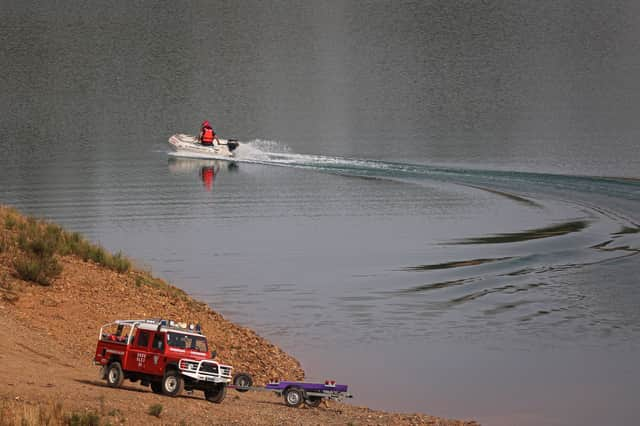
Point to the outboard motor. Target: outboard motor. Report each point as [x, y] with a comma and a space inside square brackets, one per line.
[232, 144]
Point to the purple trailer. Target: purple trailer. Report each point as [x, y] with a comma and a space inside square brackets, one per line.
[296, 393]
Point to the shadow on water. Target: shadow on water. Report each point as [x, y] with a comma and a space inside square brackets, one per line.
[455, 264]
[531, 234]
[517, 198]
[627, 230]
[433, 286]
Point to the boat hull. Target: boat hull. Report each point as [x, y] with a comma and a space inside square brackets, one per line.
[187, 144]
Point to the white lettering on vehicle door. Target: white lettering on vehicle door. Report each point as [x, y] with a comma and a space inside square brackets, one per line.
[141, 357]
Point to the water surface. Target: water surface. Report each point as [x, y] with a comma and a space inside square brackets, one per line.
[437, 204]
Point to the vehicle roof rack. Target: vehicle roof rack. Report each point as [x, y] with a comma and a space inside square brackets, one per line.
[165, 323]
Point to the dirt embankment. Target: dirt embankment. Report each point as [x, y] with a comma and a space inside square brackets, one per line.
[48, 337]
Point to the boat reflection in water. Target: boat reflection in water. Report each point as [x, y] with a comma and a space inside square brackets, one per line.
[208, 174]
[207, 170]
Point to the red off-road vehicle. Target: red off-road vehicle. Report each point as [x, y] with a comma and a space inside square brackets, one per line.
[163, 355]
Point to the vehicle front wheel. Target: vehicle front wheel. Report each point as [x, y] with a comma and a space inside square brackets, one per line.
[216, 394]
[293, 397]
[172, 383]
[115, 376]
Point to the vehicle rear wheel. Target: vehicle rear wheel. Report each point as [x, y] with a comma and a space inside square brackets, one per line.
[242, 382]
[172, 383]
[313, 401]
[156, 387]
[293, 397]
[103, 372]
[216, 394]
[115, 376]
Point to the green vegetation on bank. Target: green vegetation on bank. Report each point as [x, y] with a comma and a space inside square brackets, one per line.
[146, 279]
[25, 414]
[40, 243]
[35, 246]
[155, 410]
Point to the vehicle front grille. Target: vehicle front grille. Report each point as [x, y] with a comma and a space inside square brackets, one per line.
[206, 367]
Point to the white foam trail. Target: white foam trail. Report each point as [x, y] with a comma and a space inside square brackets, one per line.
[277, 153]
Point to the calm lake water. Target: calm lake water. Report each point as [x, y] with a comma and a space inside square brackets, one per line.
[436, 203]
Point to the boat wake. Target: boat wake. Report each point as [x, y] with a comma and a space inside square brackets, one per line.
[563, 234]
[507, 183]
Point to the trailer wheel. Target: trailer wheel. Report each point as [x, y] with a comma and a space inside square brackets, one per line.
[156, 387]
[216, 394]
[242, 382]
[313, 401]
[293, 397]
[172, 383]
[115, 376]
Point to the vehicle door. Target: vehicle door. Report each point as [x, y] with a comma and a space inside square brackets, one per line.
[139, 351]
[156, 360]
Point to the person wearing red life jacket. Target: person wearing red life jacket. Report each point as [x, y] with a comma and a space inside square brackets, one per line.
[207, 135]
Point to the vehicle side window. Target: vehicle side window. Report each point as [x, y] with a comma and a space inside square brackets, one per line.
[143, 339]
[158, 341]
[115, 333]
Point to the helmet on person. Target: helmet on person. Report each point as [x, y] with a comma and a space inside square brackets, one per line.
[205, 123]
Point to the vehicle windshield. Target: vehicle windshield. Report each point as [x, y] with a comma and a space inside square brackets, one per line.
[187, 341]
